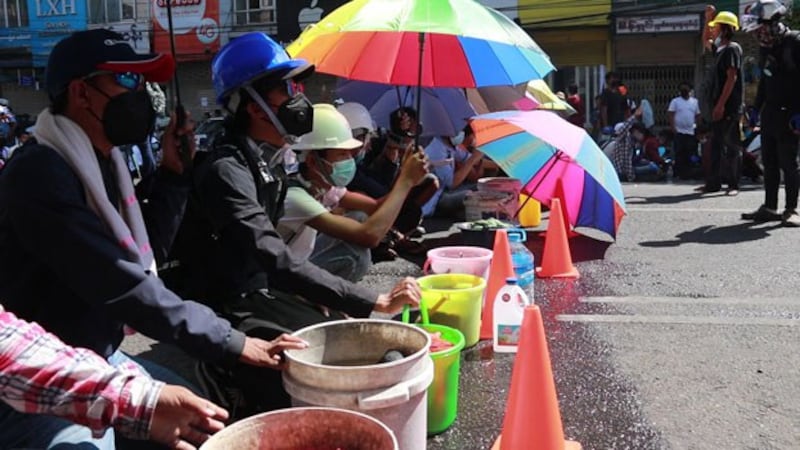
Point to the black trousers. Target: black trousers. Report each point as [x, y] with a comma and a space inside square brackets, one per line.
[267, 315]
[779, 149]
[726, 154]
[685, 147]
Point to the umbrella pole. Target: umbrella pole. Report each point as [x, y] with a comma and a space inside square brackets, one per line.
[419, 89]
[180, 112]
[554, 159]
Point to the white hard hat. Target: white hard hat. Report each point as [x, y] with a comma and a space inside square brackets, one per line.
[330, 130]
[358, 116]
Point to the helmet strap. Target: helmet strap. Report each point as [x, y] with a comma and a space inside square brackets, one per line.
[272, 117]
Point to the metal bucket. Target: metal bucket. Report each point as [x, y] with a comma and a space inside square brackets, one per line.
[341, 369]
[303, 428]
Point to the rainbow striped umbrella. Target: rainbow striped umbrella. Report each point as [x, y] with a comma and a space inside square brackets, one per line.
[429, 43]
[542, 149]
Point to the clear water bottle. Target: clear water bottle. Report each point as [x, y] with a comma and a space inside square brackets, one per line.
[522, 259]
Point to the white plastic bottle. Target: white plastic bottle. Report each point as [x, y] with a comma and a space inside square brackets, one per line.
[509, 309]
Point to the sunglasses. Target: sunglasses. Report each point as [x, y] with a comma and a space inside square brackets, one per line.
[131, 81]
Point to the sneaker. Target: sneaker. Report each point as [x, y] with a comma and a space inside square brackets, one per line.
[732, 192]
[791, 218]
[762, 214]
[217, 383]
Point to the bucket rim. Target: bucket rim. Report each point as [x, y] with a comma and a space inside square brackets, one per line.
[480, 285]
[457, 346]
[243, 423]
[487, 253]
[347, 369]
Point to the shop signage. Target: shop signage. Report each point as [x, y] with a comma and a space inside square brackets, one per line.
[658, 24]
[196, 27]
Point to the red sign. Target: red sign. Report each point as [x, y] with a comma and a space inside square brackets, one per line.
[195, 24]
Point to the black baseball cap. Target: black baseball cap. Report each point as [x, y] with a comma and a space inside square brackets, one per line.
[85, 52]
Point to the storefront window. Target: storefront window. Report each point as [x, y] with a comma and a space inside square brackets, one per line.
[14, 14]
[110, 11]
[254, 11]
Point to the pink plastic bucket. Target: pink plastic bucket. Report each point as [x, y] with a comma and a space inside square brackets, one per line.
[467, 260]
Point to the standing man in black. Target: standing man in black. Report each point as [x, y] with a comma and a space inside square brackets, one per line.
[778, 100]
[727, 100]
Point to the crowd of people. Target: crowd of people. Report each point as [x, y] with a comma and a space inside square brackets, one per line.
[715, 150]
[224, 253]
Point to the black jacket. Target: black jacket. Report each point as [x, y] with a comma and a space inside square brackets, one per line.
[62, 267]
[243, 206]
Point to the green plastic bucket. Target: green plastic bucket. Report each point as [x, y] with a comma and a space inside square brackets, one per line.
[443, 391]
[455, 300]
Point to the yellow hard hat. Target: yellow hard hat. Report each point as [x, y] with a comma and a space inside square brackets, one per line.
[726, 17]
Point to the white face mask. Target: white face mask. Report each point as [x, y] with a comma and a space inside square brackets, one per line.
[458, 139]
[718, 41]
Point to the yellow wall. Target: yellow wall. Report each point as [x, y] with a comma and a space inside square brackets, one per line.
[536, 14]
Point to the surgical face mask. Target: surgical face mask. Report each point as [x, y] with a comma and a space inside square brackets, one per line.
[359, 157]
[296, 115]
[128, 118]
[458, 139]
[342, 172]
[718, 41]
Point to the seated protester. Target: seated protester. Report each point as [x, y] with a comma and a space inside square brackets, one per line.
[363, 129]
[622, 153]
[248, 273]
[411, 213]
[648, 164]
[452, 164]
[339, 243]
[55, 385]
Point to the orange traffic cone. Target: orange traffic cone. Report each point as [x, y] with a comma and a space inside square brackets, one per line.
[556, 258]
[500, 268]
[559, 194]
[533, 420]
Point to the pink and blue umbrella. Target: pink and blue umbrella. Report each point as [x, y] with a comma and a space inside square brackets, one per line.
[540, 149]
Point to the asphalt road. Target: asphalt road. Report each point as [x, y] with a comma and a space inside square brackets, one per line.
[681, 335]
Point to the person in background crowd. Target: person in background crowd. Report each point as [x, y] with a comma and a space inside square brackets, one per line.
[453, 161]
[684, 114]
[778, 100]
[41, 375]
[727, 98]
[75, 253]
[339, 243]
[648, 163]
[574, 99]
[613, 105]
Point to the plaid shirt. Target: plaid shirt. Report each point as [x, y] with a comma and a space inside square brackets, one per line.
[39, 374]
[623, 151]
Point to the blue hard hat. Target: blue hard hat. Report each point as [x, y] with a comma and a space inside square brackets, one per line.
[250, 57]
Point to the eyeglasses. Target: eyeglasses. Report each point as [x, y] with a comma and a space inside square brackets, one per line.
[131, 81]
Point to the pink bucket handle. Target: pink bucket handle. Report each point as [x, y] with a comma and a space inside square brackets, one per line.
[426, 266]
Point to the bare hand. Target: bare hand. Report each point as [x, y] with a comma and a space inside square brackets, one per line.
[710, 13]
[170, 143]
[182, 420]
[717, 114]
[639, 112]
[414, 168]
[258, 352]
[406, 292]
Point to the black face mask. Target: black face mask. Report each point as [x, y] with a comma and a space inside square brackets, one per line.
[128, 118]
[297, 115]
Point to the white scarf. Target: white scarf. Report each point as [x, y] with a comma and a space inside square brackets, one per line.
[126, 223]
